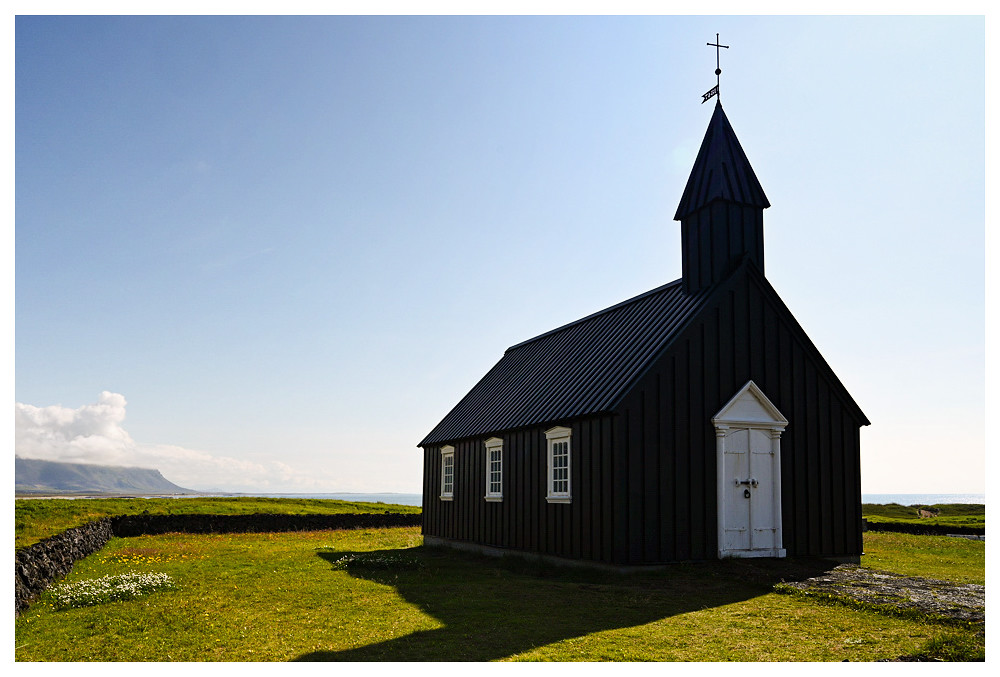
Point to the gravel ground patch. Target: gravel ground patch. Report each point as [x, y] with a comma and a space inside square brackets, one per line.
[962, 602]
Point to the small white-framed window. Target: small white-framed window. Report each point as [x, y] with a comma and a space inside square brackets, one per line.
[559, 454]
[447, 473]
[494, 469]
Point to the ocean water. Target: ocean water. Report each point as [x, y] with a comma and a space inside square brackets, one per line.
[398, 499]
[923, 499]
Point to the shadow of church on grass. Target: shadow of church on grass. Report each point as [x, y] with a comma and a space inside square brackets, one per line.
[496, 608]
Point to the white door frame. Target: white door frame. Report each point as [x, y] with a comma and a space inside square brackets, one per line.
[749, 408]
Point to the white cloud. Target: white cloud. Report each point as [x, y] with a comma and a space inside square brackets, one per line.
[94, 434]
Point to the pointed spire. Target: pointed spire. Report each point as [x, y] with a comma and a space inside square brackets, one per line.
[721, 171]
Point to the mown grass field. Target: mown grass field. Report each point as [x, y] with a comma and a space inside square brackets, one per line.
[379, 594]
[941, 557]
[37, 519]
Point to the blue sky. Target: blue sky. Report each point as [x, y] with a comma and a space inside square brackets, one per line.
[287, 246]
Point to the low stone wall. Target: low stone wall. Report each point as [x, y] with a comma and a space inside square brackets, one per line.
[924, 529]
[139, 525]
[36, 566]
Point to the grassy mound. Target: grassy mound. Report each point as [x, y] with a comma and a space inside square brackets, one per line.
[972, 515]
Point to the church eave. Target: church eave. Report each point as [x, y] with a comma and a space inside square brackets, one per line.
[703, 204]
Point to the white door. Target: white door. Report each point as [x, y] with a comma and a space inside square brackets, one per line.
[750, 521]
[748, 475]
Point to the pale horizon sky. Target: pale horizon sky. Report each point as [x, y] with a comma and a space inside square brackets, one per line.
[269, 254]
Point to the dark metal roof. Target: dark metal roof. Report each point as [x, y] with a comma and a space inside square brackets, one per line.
[721, 171]
[579, 369]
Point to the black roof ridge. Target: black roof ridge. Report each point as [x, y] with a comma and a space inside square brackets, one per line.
[587, 318]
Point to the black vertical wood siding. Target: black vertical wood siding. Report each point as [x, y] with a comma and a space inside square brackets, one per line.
[745, 336]
[644, 474]
[524, 520]
[714, 240]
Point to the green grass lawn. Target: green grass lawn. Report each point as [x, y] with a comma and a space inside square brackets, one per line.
[942, 557]
[378, 594]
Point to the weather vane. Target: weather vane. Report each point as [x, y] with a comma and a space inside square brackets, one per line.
[718, 71]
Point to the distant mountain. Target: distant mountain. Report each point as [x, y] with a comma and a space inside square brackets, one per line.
[36, 477]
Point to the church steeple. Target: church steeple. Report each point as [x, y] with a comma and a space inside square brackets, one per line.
[722, 209]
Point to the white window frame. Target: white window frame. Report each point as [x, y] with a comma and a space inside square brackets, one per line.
[493, 493]
[556, 436]
[447, 455]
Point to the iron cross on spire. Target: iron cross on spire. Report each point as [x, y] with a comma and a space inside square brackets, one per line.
[718, 71]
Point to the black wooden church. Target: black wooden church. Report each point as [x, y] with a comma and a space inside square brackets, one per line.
[691, 422]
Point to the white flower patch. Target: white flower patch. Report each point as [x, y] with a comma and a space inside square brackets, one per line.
[109, 588]
[380, 561]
